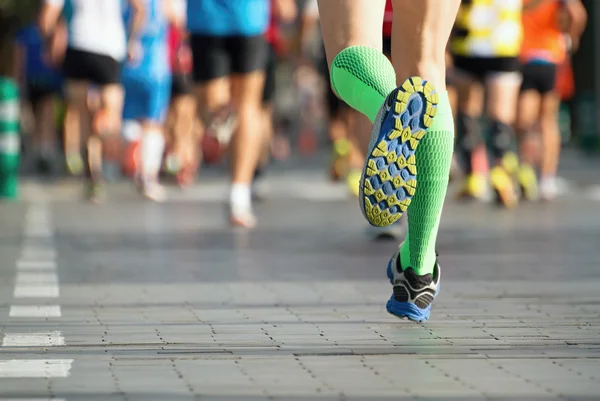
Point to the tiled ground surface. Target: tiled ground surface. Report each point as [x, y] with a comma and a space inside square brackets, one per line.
[164, 302]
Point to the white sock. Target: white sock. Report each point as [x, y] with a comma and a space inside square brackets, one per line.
[132, 130]
[548, 180]
[241, 196]
[152, 147]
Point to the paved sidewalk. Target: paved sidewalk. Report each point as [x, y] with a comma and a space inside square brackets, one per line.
[137, 301]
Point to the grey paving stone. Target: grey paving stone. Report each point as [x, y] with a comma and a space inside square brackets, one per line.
[162, 302]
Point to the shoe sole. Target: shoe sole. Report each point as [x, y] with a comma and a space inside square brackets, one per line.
[389, 178]
[406, 310]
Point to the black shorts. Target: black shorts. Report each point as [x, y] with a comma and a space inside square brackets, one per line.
[221, 56]
[181, 85]
[37, 91]
[387, 46]
[271, 68]
[97, 69]
[539, 77]
[481, 67]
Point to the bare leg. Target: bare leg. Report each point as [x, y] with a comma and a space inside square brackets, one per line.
[77, 125]
[424, 27]
[246, 145]
[346, 23]
[111, 103]
[247, 92]
[527, 118]
[212, 96]
[184, 143]
[470, 139]
[45, 128]
[503, 90]
[550, 144]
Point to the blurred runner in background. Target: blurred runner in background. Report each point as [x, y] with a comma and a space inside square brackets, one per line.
[485, 45]
[230, 54]
[282, 12]
[545, 47]
[147, 83]
[341, 118]
[96, 48]
[40, 83]
[183, 126]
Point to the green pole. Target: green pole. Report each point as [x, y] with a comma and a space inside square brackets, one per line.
[9, 139]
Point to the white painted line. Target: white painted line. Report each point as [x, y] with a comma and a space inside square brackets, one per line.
[38, 252]
[35, 311]
[37, 219]
[32, 399]
[24, 278]
[36, 264]
[38, 257]
[37, 224]
[46, 368]
[36, 291]
[51, 339]
[38, 233]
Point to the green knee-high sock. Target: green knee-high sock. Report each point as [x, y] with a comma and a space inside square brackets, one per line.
[434, 157]
[363, 77]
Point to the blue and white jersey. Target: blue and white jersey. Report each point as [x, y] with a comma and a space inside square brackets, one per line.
[154, 62]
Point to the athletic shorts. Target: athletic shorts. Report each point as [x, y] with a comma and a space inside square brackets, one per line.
[481, 68]
[37, 91]
[97, 69]
[221, 56]
[540, 77]
[387, 46]
[146, 98]
[181, 85]
[269, 88]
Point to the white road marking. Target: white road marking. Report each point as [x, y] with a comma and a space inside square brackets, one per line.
[36, 291]
[45, 368]
[35, 311]
[36, 264]
[50, 339]
[24, 278]
[38, 233]
[38, 253]
[32, 399]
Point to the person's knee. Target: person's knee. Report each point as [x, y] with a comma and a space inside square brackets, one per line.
[249, 111]
[112, 98]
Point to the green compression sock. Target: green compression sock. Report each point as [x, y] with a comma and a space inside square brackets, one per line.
[433, 159]
[363, 77]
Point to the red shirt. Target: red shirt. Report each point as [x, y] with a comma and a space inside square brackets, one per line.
[273, 34]
[388, 16]
[179, 54]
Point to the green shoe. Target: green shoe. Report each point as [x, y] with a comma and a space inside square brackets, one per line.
[74, 164]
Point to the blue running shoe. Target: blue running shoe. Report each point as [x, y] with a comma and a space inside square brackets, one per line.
[413, 294]
[389, 177]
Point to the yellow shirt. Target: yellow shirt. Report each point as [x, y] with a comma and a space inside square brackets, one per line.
[488, 28]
